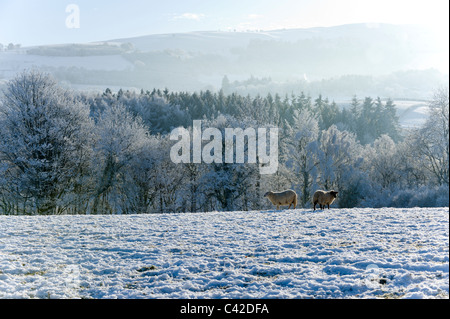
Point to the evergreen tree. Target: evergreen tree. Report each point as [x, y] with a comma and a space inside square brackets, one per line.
[391, 121]
[353, 120]
[226, 87]
[367, 122]
[329, 115]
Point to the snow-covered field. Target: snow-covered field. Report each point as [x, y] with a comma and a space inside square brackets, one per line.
[337, 253]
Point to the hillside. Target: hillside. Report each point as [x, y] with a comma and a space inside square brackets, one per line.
[337, 253]
[199, 60]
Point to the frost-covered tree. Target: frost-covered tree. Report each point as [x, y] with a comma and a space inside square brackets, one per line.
[219, 182]
[339, 162]
[430, 143]
[231, 182]
[169, 180]
[157, 113]
[45, 145]
[301, 150]
[141, 177]
[383, 163]
[120, 138]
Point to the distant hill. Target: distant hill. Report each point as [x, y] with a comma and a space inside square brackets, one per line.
[218, 42]
[200, 60]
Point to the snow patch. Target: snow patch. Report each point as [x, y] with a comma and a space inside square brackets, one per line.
[353, 253]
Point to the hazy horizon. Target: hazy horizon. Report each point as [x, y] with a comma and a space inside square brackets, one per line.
[29, 23]
[356, 46]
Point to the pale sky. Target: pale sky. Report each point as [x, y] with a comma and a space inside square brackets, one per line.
[31, 22]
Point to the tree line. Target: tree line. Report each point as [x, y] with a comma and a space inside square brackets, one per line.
[63, 152]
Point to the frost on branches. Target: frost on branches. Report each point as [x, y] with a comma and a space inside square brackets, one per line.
[88, 153]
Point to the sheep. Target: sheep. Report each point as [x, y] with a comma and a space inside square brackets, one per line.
[324, 198]
[287, 197]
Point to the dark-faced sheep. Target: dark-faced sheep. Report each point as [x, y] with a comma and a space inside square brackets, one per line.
[287, 197]
[324, 198]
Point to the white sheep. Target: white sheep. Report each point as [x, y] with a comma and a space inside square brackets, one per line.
[287, 197]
